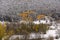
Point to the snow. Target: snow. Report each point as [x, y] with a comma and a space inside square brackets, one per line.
[51, 33]
[43, 21]
[36, 22]
[15, 36]
[23, 21]
[46, 35]
[1, 22]
[32, 36]
[58, 25]
[57, 39]
[53, 26]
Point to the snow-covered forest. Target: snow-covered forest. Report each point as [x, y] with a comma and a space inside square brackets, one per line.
[29, 19]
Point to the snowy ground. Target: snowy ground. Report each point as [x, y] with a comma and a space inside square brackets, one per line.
[52, 32]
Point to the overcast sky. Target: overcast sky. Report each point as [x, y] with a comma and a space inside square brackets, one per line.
[9, 6]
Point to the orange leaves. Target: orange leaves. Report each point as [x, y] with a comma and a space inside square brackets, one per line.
[40, 16]
[25, 15]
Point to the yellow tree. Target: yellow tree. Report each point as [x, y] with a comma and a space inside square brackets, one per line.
[40, 28]
[2, 31]
[25, 15]
[40, 16]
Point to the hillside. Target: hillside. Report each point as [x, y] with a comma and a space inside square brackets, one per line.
[11, 8]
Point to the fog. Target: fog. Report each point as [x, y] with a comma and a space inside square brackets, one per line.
[16, 6]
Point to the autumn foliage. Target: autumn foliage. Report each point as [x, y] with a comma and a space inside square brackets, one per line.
[40, 16]
[2, 30]
[17, 28]
[25, 15]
